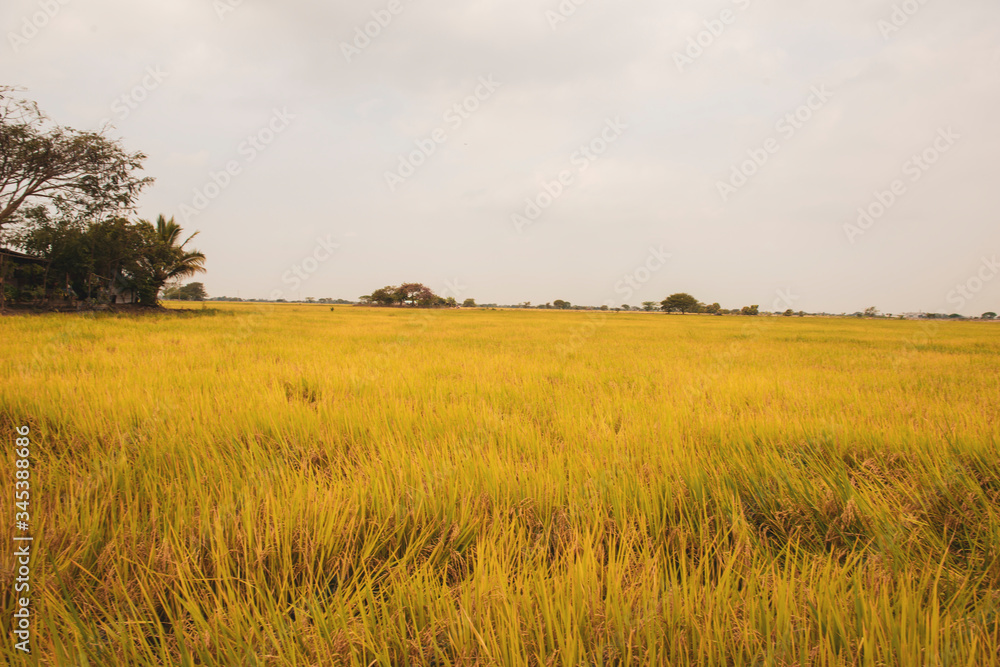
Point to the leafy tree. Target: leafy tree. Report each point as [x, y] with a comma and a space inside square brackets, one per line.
[408, 294]
[626, 307]
[165, 258]
[750, 310]
[189, 292]
[714, 309]
[385, 296]
[64, 245]
[989, 316]
[680, 303]
[562, 305]
[90, 258]
[469, 303]
[48, 168]
[415, 294]
[871, 311]
[649, 306]
[789, 313]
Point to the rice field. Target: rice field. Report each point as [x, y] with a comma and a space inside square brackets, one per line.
[290, 485]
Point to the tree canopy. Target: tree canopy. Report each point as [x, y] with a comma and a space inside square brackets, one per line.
[93, 258]
[416, 295]
[189, 292]
[681, 303]
[48, 167]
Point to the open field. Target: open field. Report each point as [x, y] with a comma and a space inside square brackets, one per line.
[288, 485]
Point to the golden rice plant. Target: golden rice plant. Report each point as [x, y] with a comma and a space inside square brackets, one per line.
[264, 485]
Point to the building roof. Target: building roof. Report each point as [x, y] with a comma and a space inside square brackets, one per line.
[13, 254]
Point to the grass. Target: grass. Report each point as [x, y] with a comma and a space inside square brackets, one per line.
[258, 485]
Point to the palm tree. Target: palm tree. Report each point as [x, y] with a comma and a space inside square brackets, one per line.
[168, 259]
[186, 262]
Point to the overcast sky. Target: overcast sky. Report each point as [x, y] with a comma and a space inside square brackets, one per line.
[317, 124]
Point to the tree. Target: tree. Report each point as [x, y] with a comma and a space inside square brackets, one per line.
[562, 305]
[989, 316]
[64, 246]
[871, 311]
[189, 292]
[626, 307]
[649, 306]
[165, 258]
[750, 310]
[680, 303]
[47, 167]
[714, 309]
[414, 295]
[789, 312]
[90, 258]
[385, 296]
[469, 303]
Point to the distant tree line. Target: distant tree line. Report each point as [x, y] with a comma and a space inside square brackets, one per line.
[189, 292]
[418, 296]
